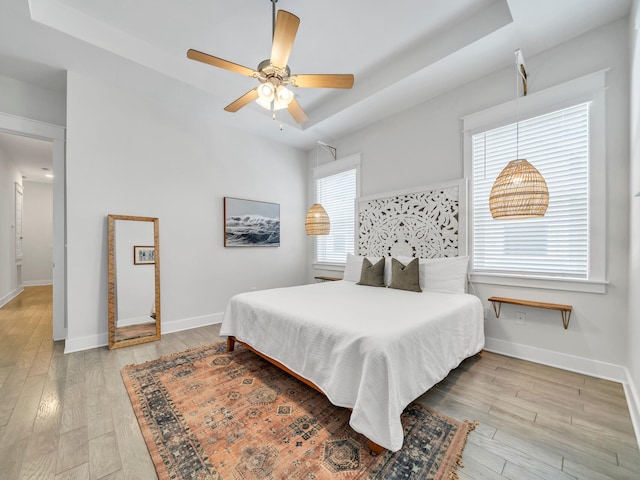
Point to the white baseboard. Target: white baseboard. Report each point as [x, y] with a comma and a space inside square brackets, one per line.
[59, 333]
[100, 340]
[134, 321]
[586, 366]
[10, 296]
[85, 343]
[633, 400]
[189, 323]
[37, 283]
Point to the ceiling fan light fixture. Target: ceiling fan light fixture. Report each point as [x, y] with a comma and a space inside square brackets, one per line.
[270, 105]
[274, 72]
[284, 95]
[266, 92]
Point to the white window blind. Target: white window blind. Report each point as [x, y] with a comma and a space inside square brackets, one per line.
[337, 194]
[557, 144]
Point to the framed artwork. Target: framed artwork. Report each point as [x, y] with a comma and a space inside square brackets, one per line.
[144, 255]
[248, 223]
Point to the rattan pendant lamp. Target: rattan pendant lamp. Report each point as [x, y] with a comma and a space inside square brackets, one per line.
[317, 221]
[520, 191]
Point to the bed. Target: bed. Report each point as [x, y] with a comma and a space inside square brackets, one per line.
[375, 350]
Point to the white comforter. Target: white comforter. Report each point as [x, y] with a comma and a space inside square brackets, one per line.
[374, 350]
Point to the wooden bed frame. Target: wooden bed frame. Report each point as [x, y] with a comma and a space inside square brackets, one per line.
[231, 341]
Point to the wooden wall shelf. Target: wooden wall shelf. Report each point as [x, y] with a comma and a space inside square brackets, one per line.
[565, 310]
[324, 278]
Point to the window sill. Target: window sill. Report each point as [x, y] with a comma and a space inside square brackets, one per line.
[548, 283]
[338, 267]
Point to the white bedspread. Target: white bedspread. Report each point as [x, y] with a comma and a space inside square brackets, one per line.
[374, 350]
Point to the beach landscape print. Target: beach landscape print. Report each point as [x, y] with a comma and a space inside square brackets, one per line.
[248, 223]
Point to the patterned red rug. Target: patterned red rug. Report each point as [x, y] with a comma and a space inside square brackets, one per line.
[210, 414]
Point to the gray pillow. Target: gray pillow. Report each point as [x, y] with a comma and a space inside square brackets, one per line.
[372, 275]
[405, 277]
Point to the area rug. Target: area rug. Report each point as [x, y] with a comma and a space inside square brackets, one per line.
[211, 414]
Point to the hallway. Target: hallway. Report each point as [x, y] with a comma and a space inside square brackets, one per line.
[65, 417]
[27, 355]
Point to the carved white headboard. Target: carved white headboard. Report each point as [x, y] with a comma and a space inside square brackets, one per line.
[429, 222]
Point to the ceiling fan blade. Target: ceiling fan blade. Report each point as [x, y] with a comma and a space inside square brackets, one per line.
[243, 101]
[296, 111]
[322, 81]
[219, 62]
[283, 37]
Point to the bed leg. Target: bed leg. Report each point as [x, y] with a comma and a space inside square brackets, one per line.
[375, 448]
[231, 344]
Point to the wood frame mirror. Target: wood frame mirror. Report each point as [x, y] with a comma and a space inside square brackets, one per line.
[134, 270]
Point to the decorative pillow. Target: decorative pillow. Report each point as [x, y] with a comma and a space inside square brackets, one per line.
[446, 275]
[372, 274]
[405, 277]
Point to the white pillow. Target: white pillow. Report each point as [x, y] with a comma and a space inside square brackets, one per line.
[353, 268]
[446, 275]
[387, 269]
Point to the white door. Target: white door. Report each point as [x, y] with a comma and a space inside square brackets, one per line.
[18, 223]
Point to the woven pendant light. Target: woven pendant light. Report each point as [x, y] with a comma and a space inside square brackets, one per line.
[520, 191]
[317, 222]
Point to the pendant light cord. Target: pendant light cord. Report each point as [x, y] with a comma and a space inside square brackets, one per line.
[484, 137]
[315, 172]
[517, 110]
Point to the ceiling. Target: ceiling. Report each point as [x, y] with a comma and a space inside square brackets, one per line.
[402, 52]
[33, 156]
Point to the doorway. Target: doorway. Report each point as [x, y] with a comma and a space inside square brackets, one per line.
[56, 136]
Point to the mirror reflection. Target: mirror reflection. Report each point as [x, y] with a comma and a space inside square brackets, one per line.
[134, 280]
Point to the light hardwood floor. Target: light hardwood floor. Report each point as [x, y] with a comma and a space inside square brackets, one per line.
[69, 417]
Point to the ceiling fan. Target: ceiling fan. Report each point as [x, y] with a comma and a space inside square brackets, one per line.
[274, 74]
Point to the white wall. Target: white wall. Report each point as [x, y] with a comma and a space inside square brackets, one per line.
[423, 145]
[31, 101]
[10, 274]
[37, 245]
[136, 156]
[633, 336]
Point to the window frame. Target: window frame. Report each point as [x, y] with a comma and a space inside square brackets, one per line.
[589, 88]
[351, 162]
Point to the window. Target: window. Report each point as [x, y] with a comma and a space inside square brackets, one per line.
[561, 133]
[336, 190]
[557, 144]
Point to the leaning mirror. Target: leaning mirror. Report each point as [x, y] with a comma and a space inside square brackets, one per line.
[134, 280]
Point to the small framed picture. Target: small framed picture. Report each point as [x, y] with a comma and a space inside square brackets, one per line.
[144, 255]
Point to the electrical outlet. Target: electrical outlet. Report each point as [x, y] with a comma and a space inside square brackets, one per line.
[521, 318]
